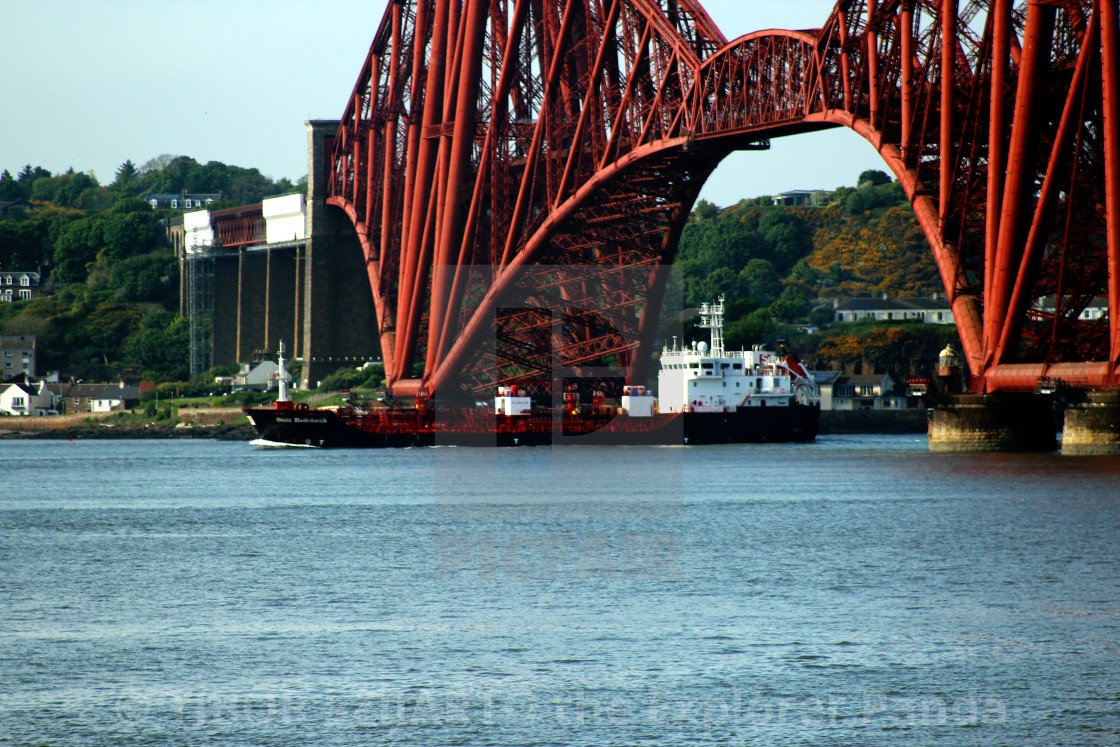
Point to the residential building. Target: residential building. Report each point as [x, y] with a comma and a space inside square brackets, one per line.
[78, 397]
[27, 398]
[259, 376]
[115, 397]
[1094, 310]
[931, 310]
[18, 286]
[866, 392]
[800, 197]
[17, 356]
[182, 201]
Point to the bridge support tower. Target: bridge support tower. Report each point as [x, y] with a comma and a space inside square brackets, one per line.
[992, 422]
[339, 325]
[1092, 425]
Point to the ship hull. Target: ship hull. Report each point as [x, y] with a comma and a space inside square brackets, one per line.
[408, 428]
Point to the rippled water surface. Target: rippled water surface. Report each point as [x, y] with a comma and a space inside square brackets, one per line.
[855, 591]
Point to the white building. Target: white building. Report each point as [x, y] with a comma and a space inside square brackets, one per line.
[18, 286]
[867, 392]
[1094, 310]
[259, 376]
[110, 398]
[27, 399]
[932, 310]
[800, 197]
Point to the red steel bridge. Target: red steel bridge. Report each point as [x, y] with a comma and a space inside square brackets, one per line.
[519, 171]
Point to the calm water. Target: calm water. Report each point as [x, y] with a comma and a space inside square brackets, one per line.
[855, 591]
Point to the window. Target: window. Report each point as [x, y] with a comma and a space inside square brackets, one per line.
[188, 203]
[18, 402]
[174, 203]
[25, 294]
[154, 204]
[25, 281]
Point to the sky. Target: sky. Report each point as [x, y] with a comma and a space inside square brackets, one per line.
[89, 84]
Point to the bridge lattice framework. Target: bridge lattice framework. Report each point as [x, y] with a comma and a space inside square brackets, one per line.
[519, 172]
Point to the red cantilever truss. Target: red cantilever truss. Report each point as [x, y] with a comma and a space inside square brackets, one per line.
[519, 171]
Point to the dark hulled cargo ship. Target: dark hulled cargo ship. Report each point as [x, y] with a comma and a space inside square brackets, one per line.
[706, 395]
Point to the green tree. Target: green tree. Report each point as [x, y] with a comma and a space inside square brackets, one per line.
[783, 231]
[719, 282]
[755, 328]
[821, 315]
[790, 308]
[760, 280]
[77, 189]
[161, 345]
[76, 250]
[10, 189]
[873, 177]
[126, 183]
[146, 278]
[705, 210]
[20, 241]
[130, 228]
[28, 176]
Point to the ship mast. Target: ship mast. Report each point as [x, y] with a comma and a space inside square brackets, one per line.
[711, 317]
[282, 377]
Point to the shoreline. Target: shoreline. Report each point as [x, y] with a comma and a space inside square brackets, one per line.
[217, 423]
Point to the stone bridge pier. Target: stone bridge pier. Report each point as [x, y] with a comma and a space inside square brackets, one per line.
[339, 325]
[312, 292]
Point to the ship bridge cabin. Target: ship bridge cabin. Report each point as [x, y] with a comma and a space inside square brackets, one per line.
[704, 377]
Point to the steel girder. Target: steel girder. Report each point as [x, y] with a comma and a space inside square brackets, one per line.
[239, 226]
[999, 119]
[501, 155]
[508, 157]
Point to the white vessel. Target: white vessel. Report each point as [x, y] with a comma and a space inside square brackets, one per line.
[704, 377]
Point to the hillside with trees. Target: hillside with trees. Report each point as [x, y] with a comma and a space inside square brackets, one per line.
[783, 268]
[110, 294]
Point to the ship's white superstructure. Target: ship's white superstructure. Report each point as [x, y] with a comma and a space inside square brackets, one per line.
[704, 377]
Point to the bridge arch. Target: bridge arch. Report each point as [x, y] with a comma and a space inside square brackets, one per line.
[498, 139]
